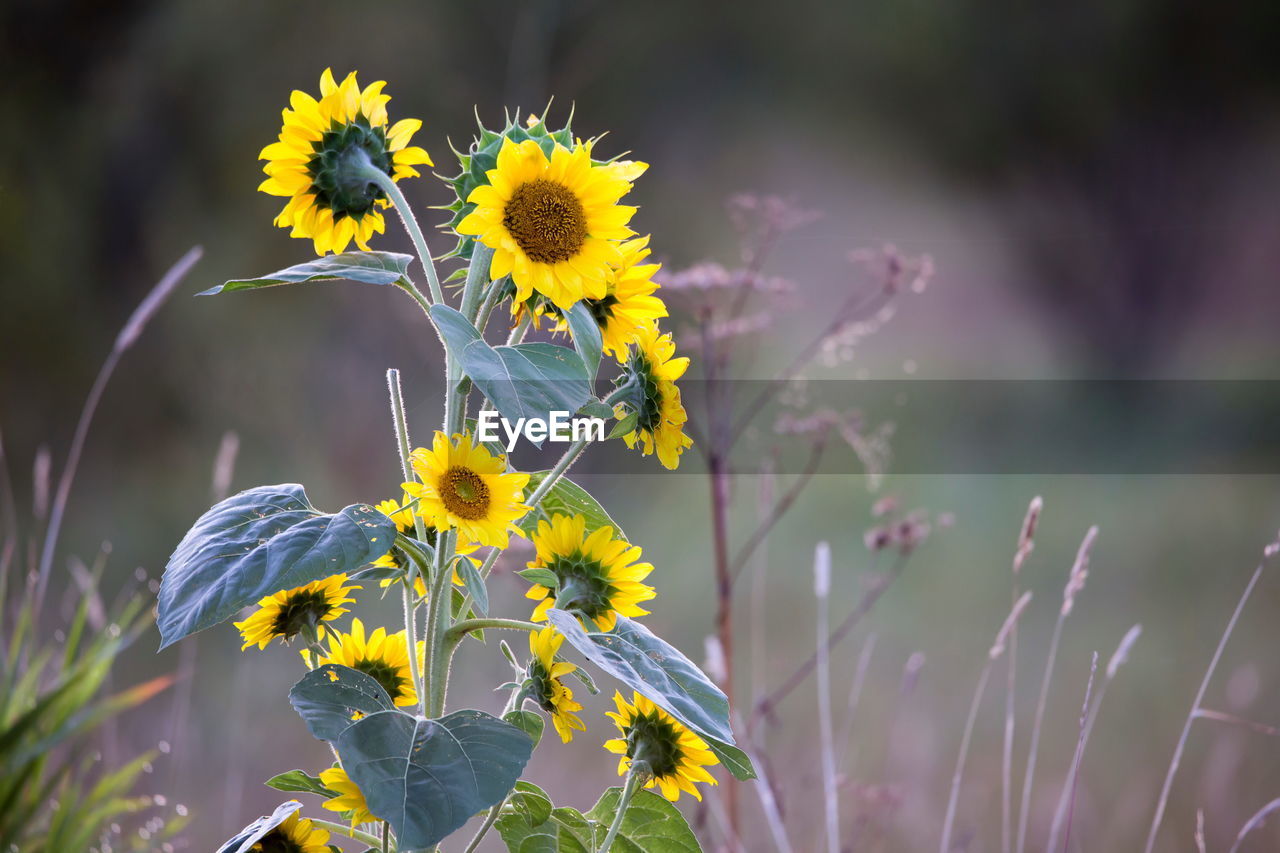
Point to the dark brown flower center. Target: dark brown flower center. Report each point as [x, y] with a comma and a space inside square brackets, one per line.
[277, 841]
[546, 220]
[464, 493]
[303, 609]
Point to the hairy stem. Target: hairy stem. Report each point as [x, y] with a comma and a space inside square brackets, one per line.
[347, 832]
[388, 186]
[410, 608]
[628, 791]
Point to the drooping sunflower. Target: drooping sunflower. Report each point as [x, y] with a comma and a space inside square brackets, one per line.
[401, 512]
[349, 799]
[676, 756]
[466, 487]
[317, 161]
[629, 304]
[287, 613]
[597, 575]
[295, 835]
[656, 401]
[552, 222]
[547, 688]
[383, 656]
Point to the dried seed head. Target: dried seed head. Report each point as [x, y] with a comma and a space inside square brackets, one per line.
[1079, 571]
[1121, 655]
[1026, 539]
[1002, 638]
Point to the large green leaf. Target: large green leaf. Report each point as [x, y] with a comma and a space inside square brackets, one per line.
[522, 381]
[656, 669]
[367, 267]
[328, 697]
[568, 498]
[586, 336]
[255, 544]
[253, 833]
[650, 825]
[428, 777]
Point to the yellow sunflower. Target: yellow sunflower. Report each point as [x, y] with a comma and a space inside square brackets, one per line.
[660, 425]
[349, 799]
[675, 755]
[552, 223]
[629, 304]
[317, 161]
[286, 613]
[383, 656]
[466, 487]
[402, 514]
[547, 689]
[295, 835]
[597, 575]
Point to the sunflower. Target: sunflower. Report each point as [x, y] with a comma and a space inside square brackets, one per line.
[287, 613]
[656, 401]
[546, 687]
[317, 162]
[552, 222]
[383, 656]
[349, 799]
[675, 755]
[466, 487]
[597, 575]
[629, 303]
[295, 835]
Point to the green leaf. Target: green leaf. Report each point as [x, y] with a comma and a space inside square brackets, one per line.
[568, 498]
[428, 777]
[522, 381]
[301, 782]
[733, 759]
[529, 722]
[531, 801]
[651, 824]
[474, 584]
[255, 544]
[596, 409]
[564, 830]
[367, 267]
[654, 668]
[624, 426]
[546, 577]
[328, 697]
[586, 336]
[255, 831]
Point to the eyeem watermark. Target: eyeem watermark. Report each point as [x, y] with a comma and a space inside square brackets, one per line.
[558, 427]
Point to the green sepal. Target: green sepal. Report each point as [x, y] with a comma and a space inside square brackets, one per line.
[302, 782]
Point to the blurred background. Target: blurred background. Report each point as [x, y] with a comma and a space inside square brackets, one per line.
[1095, 184]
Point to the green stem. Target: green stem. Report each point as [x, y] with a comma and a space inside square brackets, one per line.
[388, 186]
[438, 655]
[410, 608]
[466, 626]
[386, 836]
[489, 820]
[570, 456]
[477, 275]
[344, 830]
[628, 791]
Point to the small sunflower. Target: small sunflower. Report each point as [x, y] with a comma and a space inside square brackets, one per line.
[547, 688]
[295, 835]
[552, 223]
[287, 613]
[383, 656]
[661, 415]
[349, 799]
[466, 487]
[402, 514]
[628, 305]
[315, 163]
[597, 575]
[677, 757]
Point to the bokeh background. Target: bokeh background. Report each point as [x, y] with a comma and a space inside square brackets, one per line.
[1095, 183]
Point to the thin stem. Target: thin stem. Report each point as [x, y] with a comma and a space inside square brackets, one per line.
[437, 624]
[1028, 779]
[477, 273]
[945, 845]
[388, 186]
[489, 820]
[628, 791]
[822, 590]
[1075, 760]
[348, 832]
[569, 457]
[386, 836]
[466, 626]
[410, 608]
[1195, 706]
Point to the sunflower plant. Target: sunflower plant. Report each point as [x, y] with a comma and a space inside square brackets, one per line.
[543, 233]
